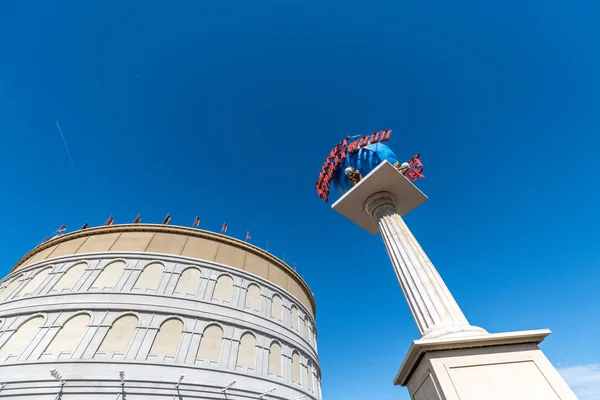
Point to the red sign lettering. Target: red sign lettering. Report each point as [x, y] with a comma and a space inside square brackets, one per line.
[416, 168]
[415, 162]
[413, 174]
[339, 153]
[374, 137]
[385, 135]
[353, 147]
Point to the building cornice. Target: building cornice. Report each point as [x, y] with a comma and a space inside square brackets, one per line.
[180, 230]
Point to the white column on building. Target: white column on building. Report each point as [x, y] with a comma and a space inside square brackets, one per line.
[434, 309]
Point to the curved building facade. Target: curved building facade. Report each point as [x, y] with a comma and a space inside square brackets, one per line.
[157, 303]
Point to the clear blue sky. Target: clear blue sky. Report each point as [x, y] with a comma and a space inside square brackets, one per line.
[227, 111]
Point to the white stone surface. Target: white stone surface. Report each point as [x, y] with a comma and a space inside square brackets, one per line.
[453, 360]
[434, 309]
[383, 178]
[495, 367]
[377, 204]
[151, 370]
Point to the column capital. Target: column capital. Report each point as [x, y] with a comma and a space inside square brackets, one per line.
[374, 201]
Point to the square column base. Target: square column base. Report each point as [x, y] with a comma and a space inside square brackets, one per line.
[492, 367]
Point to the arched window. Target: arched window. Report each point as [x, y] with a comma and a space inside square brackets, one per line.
[36, 282]
[276, 307]
[69, 336]
[296, 367]
[224, 288]
[253, 297]
[294, 317]
[110, 275]
[168, 338]
[275, 359]
[188, 281]
[150, 277]
[210, 344]
[21, 338]
[247, 352]
[5, 291]
[310, 378]
[70, 278]
[119, 335]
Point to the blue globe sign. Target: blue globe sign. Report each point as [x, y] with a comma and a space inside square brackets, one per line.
[350, 161]
[364, 160]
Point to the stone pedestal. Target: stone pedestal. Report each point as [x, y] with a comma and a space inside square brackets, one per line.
[453, 360]
[487, 367]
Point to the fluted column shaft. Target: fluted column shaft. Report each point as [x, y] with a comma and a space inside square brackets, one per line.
[434, 309]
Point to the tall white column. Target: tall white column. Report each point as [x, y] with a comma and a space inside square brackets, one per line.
[453, 360]
[434, 309]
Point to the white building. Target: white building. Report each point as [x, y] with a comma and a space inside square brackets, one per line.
[156, 302]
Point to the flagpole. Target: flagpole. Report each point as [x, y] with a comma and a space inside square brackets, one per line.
[57, 231]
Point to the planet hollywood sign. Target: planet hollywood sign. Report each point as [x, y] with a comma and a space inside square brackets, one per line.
[341, 151]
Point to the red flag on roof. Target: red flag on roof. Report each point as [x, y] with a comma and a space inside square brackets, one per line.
[109, 221]
[62, 228]
[167, 219]
[248, 235]
[197, 221]
[224, 228]
[137, 219]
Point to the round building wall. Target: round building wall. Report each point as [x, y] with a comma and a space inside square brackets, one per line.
[157, 302]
